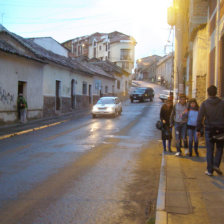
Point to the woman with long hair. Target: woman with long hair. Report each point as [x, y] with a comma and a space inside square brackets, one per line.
[192, 114]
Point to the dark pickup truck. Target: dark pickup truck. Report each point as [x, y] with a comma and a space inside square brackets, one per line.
[142, 94]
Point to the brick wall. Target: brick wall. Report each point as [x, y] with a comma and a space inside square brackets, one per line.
[200, 8]
[200, 88]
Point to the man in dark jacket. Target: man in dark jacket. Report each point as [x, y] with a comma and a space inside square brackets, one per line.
[212, 110]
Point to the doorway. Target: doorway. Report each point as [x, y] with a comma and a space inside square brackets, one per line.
[73, 94]
[90, 94]
[57, 94]
[22, 88]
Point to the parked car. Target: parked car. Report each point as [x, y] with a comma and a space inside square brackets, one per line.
[165, 94]
[108, 105]
[142, 93]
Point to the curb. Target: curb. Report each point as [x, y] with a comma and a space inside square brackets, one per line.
[30, 130]
[24, 130]
[161, 214]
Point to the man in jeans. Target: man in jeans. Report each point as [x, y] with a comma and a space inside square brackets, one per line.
[180, 123]
[212, 110]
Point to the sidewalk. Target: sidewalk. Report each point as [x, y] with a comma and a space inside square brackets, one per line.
[186, 195]
[7, 131]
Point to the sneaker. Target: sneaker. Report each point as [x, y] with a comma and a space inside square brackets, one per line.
[208, 173]
[178, 154]
[217, 170]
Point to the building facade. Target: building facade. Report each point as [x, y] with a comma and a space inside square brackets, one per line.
[164, 71]
[146, 68]
[199, 35]
[115, 47]
[52, 84]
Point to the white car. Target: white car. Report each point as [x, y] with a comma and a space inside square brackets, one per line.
[165, 94]
[108, 105]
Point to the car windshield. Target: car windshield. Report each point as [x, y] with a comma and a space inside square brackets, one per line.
[139, 91]
[106, 101]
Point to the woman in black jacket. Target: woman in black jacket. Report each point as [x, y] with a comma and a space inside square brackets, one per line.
[166, 130]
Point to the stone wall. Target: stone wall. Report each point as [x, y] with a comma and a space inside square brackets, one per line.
[49, 106]
[200, 89]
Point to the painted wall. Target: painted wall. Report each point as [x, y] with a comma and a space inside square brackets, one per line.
[53, 73]
[115, 53]
[22, 70]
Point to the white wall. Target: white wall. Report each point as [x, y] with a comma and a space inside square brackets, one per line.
[12, 70]
[53, 73]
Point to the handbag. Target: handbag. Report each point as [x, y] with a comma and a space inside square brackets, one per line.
[217, 135]
[159, 124]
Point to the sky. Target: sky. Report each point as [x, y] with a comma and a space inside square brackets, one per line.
[145, 20]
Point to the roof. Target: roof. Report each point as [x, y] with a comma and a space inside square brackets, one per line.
[113, 37]
[4, 46]
[97, 70]
[42, 55]
[108, 66]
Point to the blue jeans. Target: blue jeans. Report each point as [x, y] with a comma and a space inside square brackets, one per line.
[180, 134]
[211, 160]
[192, 137]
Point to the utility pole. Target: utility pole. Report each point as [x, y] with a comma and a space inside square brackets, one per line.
[178, 59]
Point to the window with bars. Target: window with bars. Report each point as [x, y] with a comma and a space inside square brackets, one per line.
[125, 54]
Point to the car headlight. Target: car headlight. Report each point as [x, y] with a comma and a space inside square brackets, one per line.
[95, 108]
[110, 109]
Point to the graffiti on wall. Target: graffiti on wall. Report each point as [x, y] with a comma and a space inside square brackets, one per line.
[6, 97]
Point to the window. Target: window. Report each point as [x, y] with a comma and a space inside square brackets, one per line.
[100, 48]
[108, 54]
[125, 54]
[84, 88]
[106, 47]
[118, 84]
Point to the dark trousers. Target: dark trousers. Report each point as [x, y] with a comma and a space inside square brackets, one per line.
[213, 160]
[180, 134]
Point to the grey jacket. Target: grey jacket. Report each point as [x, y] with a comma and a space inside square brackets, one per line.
[177, 115]
[212, 110]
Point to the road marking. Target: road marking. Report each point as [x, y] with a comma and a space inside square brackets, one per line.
[30, 130]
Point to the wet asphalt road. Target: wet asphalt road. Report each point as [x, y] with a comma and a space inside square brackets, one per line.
[77, 172]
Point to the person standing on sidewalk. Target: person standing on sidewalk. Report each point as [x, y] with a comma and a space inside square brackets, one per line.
[22, 108]
[212, 110]
[180, 123]
[166, 130]
[192, 115]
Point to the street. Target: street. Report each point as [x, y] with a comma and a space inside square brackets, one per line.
[84, 171]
